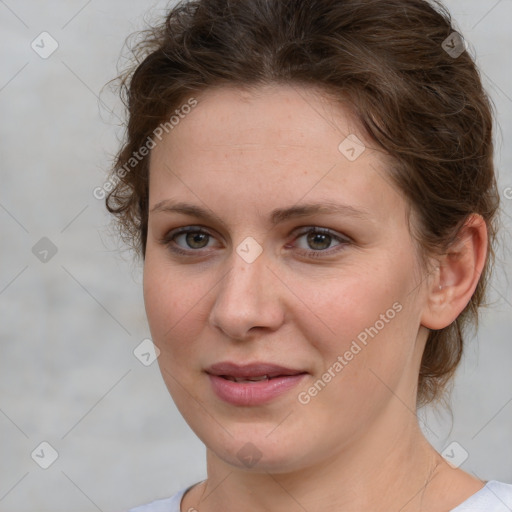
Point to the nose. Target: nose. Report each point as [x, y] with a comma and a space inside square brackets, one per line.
[248, 299]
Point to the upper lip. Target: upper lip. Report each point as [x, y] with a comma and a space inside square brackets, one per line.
[240, 371]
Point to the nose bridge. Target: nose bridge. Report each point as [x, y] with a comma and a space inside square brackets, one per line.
[244, 298]
[244, 282]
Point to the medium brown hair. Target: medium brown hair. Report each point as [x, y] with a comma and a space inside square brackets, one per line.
[424, 107]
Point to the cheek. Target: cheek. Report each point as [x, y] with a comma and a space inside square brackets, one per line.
[173, 306]
[368, 318]
[176, 315]
[366, 356]
[347, 302]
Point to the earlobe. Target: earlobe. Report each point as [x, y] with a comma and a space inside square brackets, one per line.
[457, 275]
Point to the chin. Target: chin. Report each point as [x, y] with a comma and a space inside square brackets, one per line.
[253, 449]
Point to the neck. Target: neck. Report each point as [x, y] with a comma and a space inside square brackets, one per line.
[375, 472]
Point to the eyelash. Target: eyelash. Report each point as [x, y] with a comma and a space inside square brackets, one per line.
[168, 240]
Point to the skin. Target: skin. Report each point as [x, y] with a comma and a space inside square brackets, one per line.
[356, 445]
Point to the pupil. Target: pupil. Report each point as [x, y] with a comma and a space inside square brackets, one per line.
[315, 239]
[196, 238]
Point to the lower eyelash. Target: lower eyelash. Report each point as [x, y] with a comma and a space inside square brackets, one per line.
[326, 252]
[322, 253]
[177, 249]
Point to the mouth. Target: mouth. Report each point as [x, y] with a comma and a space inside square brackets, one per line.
[252, 372]
[252, 384]
[261, 378]
[247, 379]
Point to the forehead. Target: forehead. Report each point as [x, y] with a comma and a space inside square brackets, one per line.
[270, 115]
[270, 145]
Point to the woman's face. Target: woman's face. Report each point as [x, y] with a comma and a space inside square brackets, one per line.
[327, 301]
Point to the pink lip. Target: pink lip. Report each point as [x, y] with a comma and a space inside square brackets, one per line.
[252, 393]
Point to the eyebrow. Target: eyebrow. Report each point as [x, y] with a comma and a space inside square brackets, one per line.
[277, 215]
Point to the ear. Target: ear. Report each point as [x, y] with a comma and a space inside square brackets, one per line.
[457, 276]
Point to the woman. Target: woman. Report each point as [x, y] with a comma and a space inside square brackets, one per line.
[311, 187]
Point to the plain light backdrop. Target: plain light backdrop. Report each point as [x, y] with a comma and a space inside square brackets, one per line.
[69, 325]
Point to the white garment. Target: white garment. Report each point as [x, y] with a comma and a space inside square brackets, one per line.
[494, 497]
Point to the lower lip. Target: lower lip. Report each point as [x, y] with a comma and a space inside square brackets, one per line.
[253, 393]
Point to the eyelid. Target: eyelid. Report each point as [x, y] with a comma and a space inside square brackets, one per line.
[168, 239]
[184, 229]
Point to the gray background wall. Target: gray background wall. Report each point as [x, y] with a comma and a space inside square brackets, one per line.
[69, 325]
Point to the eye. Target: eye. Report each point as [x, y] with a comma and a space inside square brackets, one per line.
[314, 241]
[187, 240]
[317, 242]
[195, 239]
